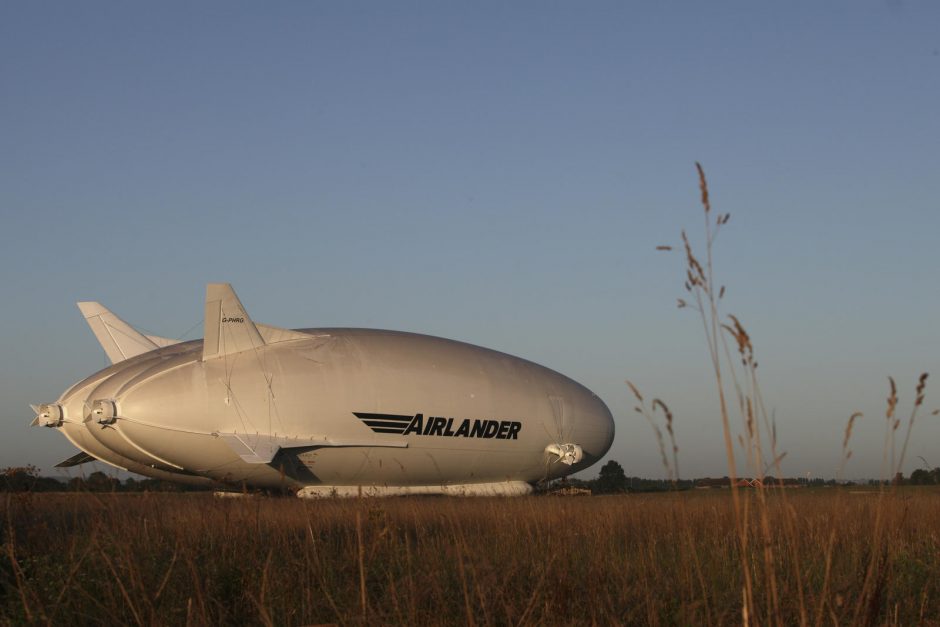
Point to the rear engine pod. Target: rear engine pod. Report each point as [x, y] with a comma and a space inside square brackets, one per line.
[49, 415]
[104, 411]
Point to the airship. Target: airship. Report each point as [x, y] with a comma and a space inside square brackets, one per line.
[324, 411]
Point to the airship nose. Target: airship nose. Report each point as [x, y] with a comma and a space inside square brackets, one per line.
[594, 432]
[584, 430]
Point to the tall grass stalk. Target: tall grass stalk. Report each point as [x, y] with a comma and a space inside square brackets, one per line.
[704, 296]
[767, 537]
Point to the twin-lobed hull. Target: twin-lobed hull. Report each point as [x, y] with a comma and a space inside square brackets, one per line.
[333, 411]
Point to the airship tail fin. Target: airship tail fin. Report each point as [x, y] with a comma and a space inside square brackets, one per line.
[228, 328]
[76, 460]
[119, 340]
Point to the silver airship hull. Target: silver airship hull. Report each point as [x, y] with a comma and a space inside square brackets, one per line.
[326, 411]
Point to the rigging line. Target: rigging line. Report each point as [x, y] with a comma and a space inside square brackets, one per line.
[256, 348]
[133, 325]
[272, 401]
[107, 328]
[269, 381]
[240, 411]
[139, 328]
[192, 328]
[236, 405]
[113, 329]
[261, 368]
[228, 367]
[270, 396]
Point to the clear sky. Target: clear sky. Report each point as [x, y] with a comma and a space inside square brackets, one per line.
[498, 173]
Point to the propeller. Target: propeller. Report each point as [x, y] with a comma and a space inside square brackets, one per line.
[47, 415]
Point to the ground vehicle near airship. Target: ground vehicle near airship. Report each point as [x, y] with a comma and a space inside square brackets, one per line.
[325, 411]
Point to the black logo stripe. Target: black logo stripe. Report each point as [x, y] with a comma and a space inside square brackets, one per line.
[393, 417]
[385, 423]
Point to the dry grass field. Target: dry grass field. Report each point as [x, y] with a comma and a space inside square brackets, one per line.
[651, 559]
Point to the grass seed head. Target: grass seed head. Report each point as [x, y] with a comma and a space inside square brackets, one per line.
[743, 340]
[635, 391]
[892, 399]
[666, 412]
[695, 272]
[921, 385]
[703, 186]
[848, 429]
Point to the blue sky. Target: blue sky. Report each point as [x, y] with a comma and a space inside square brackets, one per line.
[497, 173]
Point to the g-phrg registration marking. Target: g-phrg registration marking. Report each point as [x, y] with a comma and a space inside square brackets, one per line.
[440, 426]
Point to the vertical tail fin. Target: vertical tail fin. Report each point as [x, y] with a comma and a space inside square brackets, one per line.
[119, 340]
[228, 328]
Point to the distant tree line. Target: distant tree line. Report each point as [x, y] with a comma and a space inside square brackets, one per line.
[28, 479]
[613, 480]
[610, 480]
[922, 476]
